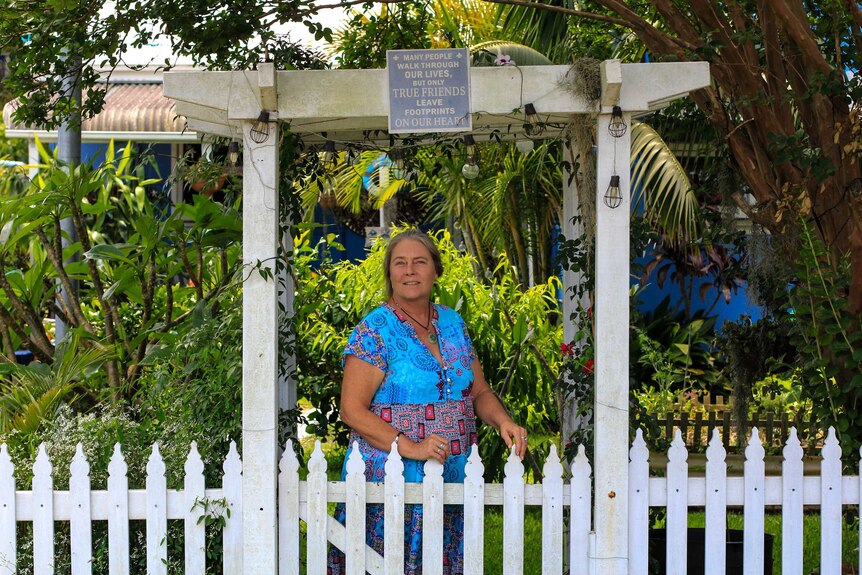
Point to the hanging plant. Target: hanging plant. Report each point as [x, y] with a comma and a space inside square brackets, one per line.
[206, 177]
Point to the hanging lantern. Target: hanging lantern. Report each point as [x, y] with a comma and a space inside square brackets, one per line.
[613, 195]
[617, 128]
[259, 132]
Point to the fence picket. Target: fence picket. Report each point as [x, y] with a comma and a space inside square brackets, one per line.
[638, 505]
[552, 514]
[581, 514]
[354, 549]
[79, 523]
[676, 532]
[474, 514]
[753, 514]
[232, 535]
[715, 553]
[118, 514]
[393, 544]
[8, 527]
[432, 519]
[830, 506]
[791, 506]
[196, 507]
[513, 515]
[43, 514]
[157, 514]
[317, 514]
[288, 512]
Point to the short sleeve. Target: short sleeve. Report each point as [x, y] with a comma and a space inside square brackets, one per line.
[468, 340]
[366, 343]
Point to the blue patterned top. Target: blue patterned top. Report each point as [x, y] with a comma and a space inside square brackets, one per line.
[418, 395]
[413, 374]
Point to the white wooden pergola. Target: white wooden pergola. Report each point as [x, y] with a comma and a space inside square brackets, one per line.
[346, 105]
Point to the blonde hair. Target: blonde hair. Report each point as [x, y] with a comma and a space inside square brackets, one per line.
[416, 235]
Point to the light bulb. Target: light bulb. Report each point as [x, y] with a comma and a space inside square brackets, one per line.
[330, 154]
[233, 153]
[524, 146]
[397, 157]
[470, 171]
[533, 126]
[613, 196]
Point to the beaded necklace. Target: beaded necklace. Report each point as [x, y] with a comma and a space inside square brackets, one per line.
[432, 335]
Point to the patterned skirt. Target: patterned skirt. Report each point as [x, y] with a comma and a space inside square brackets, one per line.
[454, 420]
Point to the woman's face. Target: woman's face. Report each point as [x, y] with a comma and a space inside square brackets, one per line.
[411, 271]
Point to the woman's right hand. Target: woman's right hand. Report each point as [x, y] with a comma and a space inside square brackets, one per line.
[432, 447]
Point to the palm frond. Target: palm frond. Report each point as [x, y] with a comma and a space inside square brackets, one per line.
[485, 53]
[32, 392]
[661, 185]
[541, 30]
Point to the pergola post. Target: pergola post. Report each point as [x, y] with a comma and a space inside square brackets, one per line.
[572, 228]
[260, 389]
[611, 411]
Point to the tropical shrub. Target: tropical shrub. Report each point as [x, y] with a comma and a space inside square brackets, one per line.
[824, 333]
[98, 434]
[142, 273]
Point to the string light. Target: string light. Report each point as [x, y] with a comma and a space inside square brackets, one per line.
[259, 132]
[470, 169]
[397, 157]
[351, 156]
[533, 126]
[233, 152]
[330, 154]
[613, 195]
[617, 127]
[524, 145]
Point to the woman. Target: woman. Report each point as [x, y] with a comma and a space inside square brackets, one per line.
[411, 376]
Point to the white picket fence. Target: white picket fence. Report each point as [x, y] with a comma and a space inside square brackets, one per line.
[306, 501]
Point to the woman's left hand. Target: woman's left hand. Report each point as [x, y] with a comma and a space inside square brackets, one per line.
[514, 434]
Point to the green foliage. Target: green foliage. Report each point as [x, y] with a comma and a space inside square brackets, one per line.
[142, 273]
[29, 394]
[515, 333]
[192, 386]
[826, 335]
[673, 353]
[15, 150]
[79, 38]
[752, 353]
[364, 40]
[100, 434]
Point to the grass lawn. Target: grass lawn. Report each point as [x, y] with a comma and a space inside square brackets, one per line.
[533, 543]
[533, 540]
[810, 538]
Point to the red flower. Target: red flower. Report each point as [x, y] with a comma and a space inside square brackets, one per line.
[567, 350]
[589, 367]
